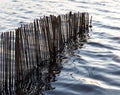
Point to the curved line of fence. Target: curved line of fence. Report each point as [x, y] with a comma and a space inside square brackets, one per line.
[32, 44]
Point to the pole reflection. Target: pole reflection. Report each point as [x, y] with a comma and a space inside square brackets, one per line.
[39, 79]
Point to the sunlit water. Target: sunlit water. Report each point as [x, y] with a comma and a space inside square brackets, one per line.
[93, 69]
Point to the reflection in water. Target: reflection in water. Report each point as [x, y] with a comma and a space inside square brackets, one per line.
[78, 43]
[39, 79]
[36, 54]
[98, 60]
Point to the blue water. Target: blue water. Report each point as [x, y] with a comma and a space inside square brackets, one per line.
[93, 69]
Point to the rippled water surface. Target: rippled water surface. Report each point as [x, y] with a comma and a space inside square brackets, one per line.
[93, 69]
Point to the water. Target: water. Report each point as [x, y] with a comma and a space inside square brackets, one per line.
[90, 70]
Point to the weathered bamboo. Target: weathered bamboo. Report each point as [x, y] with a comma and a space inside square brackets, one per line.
[34, 44]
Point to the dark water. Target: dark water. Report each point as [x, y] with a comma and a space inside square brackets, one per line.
[94, 68]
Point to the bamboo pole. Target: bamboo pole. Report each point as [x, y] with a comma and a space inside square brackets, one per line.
[31, 45]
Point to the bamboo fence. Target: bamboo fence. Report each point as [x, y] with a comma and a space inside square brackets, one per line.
[36, 43]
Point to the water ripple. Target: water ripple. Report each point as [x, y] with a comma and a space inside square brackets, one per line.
[90, 70]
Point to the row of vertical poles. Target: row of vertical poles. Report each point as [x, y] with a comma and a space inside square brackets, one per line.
[33, 44]
[7, 63]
